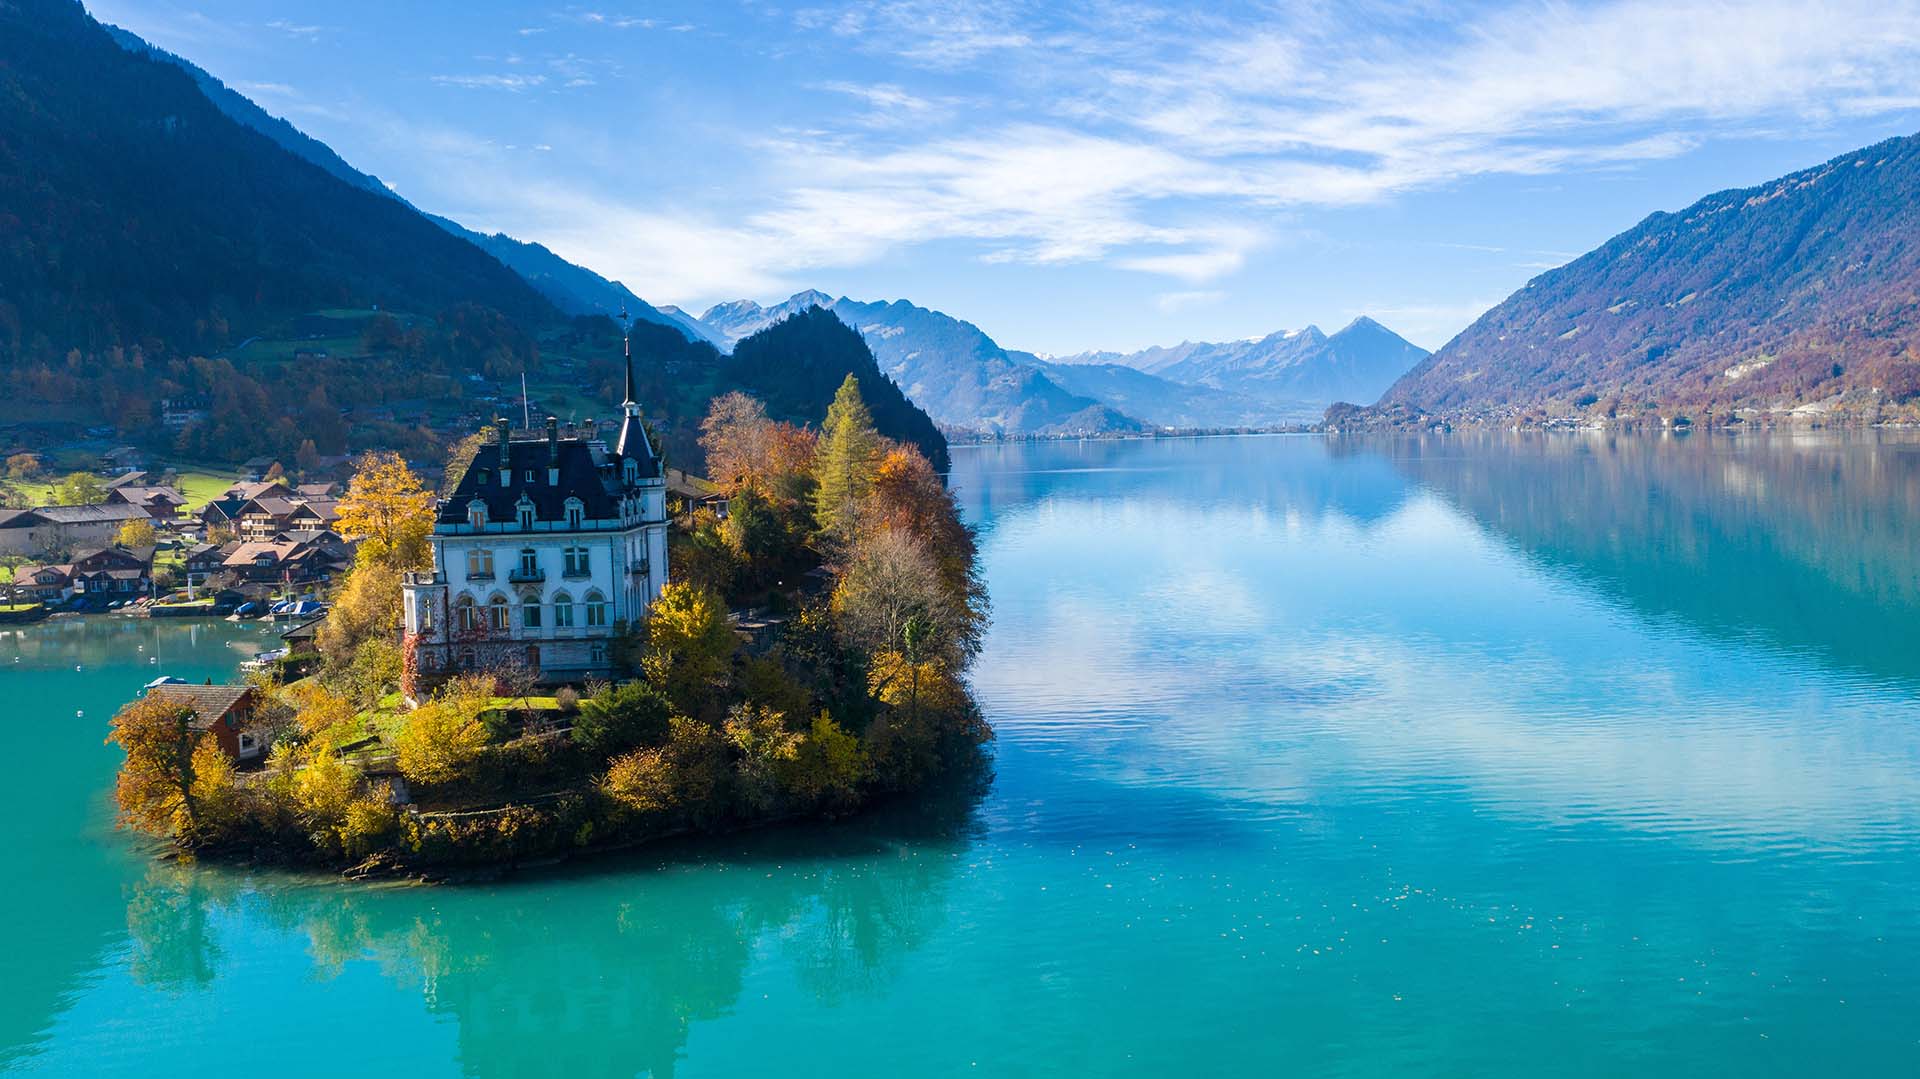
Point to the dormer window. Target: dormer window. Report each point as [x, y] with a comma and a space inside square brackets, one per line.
[633, 471]
[477, 513]
[524, 511]
[576, 513]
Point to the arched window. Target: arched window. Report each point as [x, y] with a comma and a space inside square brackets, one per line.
[596, 609]
[530, 612]
[524, 510]
[576, 513]
[465, 614]
[562, 611]
[497, 612]
[477, 513]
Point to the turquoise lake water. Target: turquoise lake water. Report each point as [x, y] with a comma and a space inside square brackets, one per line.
[1444, 756]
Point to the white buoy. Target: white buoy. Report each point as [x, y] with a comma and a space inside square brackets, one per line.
[80, 713]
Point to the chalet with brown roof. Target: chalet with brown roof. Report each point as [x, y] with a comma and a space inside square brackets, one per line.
[161, 503]
[225, 712]
[118, 572]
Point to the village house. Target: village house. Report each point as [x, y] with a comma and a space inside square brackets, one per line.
[256, 468]
[43, 584]
[163, 504]
[547, 545]
[122, 459]
[178, 412]
[104, 574]
[226, 712]
[279, 510]
[56, 530]
[299, 557]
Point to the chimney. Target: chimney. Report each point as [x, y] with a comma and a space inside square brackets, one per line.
[553, 452]
[506, 459]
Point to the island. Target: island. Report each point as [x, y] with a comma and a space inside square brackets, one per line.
[510, 671]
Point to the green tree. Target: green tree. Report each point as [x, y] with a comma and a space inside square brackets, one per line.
[845, 460]
[616, 720]
[79, 489]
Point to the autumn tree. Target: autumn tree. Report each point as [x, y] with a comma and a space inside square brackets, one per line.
[445, 735]
[891, 580]
[388, 510]
[689, 642]
[23, 466]
[844, 460]
[136, 533]
[155, 789]
[736, 436]
[366, 607]
[685, 777]
[460, 458]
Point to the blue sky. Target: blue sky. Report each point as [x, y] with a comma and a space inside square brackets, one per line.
[1120, 174]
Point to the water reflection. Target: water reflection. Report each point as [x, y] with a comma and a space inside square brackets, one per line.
[1707, 640]
[603, 969]
[1805, 541]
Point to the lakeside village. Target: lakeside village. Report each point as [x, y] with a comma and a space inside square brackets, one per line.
[569, 647]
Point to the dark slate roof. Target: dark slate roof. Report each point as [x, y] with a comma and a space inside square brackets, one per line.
[98, 513]
[227, 508]
[595, 483]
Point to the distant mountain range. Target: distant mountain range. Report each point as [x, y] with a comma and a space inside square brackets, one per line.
[970, 382]
[1799, 294]
[1357, 364]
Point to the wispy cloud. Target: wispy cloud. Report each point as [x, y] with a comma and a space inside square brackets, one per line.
[1178, 141]
[512, 82]
[1175, 302]
[293, 29]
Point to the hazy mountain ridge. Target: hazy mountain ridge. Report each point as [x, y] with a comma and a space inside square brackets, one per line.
[969, 382]
[1291, 368]
[1803, 292]
[574, 289]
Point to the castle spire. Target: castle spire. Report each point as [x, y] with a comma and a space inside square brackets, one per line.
[632, 442]
[626, 348]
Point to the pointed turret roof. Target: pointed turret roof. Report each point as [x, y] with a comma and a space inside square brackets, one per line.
[633, 442]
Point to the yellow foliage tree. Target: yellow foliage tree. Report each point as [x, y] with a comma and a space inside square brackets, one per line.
[828, 766]
[215, 798]
[154, 790]
[686, 775]
[388, 510]
[442, 737]
[136, 533]
[317, 708]
[689, 641]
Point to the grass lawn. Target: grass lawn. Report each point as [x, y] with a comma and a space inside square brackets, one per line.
[204, 601]
[15, 608]
[202, 486]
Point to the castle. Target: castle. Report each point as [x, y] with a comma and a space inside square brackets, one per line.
[545, 547]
